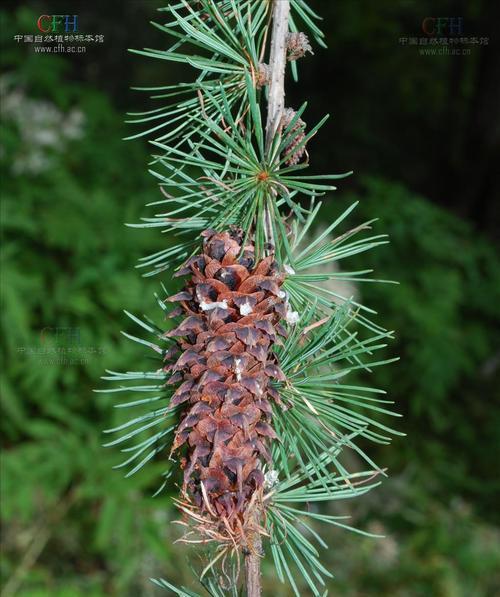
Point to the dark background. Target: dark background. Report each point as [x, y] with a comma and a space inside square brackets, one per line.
[421, 133]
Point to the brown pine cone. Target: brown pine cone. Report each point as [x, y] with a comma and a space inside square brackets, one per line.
[232, 309]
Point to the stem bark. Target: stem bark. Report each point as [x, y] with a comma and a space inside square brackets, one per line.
[277, 63]
[252, 562]
[276, 105]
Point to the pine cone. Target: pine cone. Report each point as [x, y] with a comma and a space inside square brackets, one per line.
[294, 137]
[232, 309]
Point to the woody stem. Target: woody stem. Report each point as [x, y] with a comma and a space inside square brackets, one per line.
[276, 105]
[252, 562]
[277, 64]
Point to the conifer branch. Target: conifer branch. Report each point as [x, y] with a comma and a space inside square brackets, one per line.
[247, 396]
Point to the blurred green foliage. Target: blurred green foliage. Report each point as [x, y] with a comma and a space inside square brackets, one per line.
[70, 525]
[445, 313]
[67, 273]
